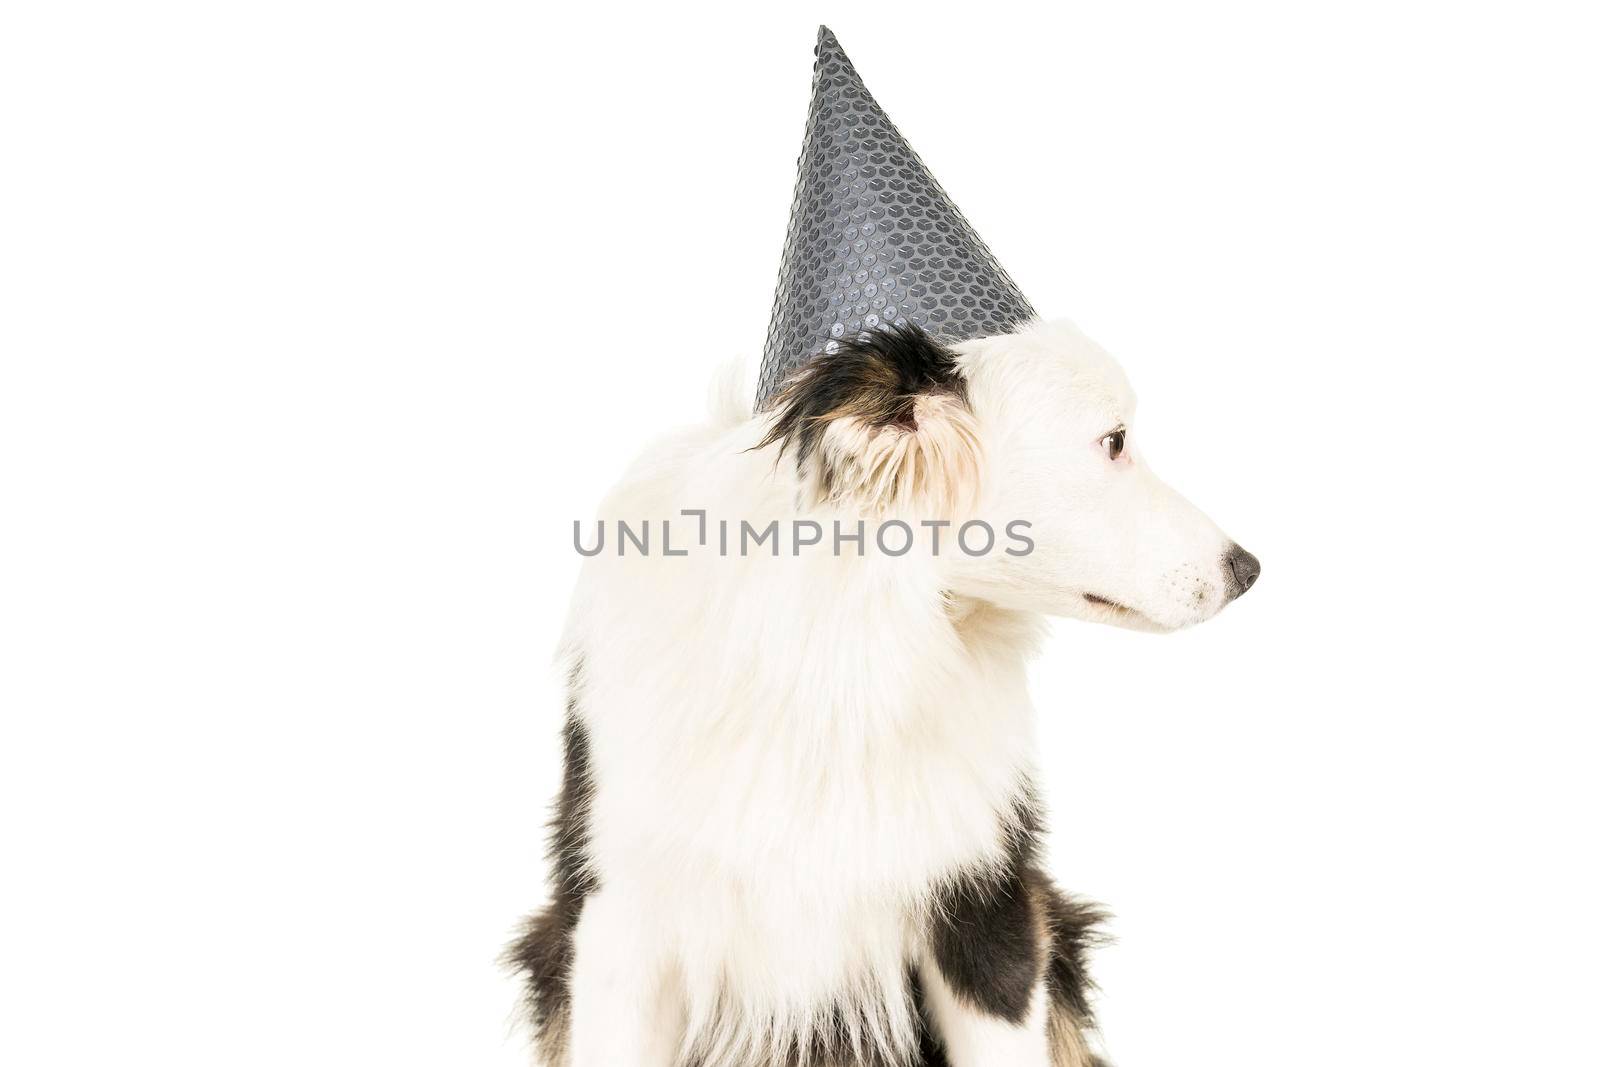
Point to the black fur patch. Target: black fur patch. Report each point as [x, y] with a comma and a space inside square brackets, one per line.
[875, 377]
[986, 943]
[986, 936]
[543, 953]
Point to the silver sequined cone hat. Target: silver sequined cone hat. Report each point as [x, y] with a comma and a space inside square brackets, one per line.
[873, 240]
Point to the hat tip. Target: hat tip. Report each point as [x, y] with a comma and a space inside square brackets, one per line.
[825, 36]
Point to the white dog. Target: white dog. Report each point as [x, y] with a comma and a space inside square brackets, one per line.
[798, 825]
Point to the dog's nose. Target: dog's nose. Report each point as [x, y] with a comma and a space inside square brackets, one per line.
[1243, 568]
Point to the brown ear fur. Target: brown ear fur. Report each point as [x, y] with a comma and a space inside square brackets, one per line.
[881, 423]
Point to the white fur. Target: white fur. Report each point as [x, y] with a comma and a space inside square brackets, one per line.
[970, 1036]
[1043, 398]
[790, 753]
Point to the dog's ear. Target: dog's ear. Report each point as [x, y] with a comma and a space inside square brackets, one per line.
[881, 423]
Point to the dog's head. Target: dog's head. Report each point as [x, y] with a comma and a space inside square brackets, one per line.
[1032, 433]
[1113, 543]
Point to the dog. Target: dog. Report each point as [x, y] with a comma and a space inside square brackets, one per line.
[798, 824]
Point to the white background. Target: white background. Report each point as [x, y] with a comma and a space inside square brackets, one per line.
[320, 322]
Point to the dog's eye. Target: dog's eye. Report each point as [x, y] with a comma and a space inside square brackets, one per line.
[1114, 442]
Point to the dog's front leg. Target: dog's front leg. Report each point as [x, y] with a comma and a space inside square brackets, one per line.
[973, 1036]
[626, 1007]
[983, 975]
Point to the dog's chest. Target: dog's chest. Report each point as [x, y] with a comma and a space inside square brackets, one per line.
[836, 801]
[788, 869]
[779, 825]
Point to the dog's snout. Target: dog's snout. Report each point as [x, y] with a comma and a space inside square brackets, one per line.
[1243, 570]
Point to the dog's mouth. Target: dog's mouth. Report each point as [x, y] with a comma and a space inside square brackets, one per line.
[1121, 613]
[1107, 602]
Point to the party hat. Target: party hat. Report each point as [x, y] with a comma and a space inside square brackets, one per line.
[873, 239]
